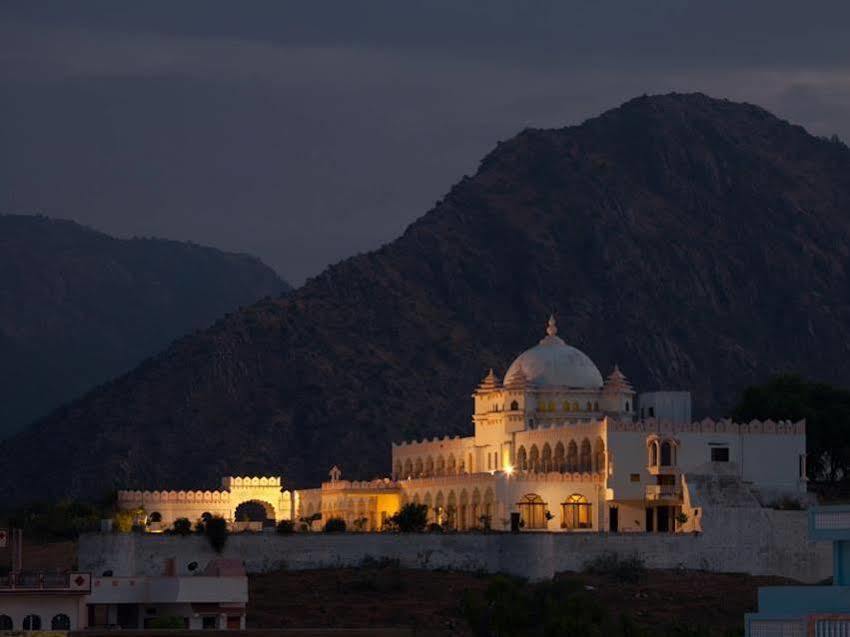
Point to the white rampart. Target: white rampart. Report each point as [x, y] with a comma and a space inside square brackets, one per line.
[735, 543]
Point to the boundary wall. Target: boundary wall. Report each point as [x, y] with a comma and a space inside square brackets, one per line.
[775, 544]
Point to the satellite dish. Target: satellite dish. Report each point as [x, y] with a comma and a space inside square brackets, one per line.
[192, 566]
[107, 573]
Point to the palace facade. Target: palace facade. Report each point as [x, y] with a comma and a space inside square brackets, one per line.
[556, 447]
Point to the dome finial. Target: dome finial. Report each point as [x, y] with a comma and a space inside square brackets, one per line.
[552, 327]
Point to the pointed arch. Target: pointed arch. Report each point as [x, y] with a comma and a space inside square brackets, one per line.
[441, 466]
[560, 459]
[408, 468]
[534, 459]
[572, 457]
[585, 461]
[419, 468]
[451, 465]
[546, 458]
[429, 466]
[599, 456]
[522, 458]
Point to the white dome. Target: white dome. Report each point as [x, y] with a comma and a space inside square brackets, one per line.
[553, 362]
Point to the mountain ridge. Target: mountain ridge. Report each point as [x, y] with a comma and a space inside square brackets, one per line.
[698, 243]
[78, 306]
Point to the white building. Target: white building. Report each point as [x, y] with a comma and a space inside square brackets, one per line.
[213, 599]
[558, 448]
[554, 447]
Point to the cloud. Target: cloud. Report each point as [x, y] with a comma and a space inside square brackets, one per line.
[304, 141]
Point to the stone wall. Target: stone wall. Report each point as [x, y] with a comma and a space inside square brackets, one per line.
[778, 545]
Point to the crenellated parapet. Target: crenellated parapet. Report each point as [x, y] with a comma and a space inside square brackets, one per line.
[426, 441]
[230, 482]
[707, 425]
[172, 496]
[360, 485]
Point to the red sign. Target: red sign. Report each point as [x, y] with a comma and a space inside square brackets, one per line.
[3, 536]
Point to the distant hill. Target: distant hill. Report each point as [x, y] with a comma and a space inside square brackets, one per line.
[699, 243]
[78, 307]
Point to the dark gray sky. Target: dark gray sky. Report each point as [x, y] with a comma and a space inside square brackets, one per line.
[309, 131]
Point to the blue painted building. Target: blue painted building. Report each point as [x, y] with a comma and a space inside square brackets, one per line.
[811, 611]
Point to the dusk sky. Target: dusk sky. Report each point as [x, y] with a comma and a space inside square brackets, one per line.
[307, 132]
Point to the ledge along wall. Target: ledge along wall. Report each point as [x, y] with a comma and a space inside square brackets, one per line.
[777, 545]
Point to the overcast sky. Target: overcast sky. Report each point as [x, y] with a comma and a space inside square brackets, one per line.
[306, 132]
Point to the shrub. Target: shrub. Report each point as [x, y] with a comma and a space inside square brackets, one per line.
[126, 521]
[182, 526]
[434, 528]
[335, 525]
[787, 503]
[285, 527]
[217, 533]
[411, 518]
[168, 622]
[629, 569]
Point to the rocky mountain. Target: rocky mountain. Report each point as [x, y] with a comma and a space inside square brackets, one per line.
[699, 243]
[78, 307]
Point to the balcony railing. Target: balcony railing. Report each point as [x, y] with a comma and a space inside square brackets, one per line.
[662, 470]
[663, 491]
[46, 581]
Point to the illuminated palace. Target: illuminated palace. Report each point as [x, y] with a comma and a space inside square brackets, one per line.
[555, 447]
[558, 448]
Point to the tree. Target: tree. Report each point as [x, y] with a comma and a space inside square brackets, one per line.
[411, 518]
[125, 520]
[827, 413]
[216, 530]
[285, 527]
[182, 526]
[335, 525]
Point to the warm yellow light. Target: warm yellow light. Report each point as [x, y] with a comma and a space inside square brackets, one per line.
[509, 469]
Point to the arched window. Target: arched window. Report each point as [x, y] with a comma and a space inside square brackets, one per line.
[5, 622]
[653, 454]
[60, 622]
[514, 406]
[156, 516]
[576, 512]
[546, 458]
[522, 459]
[534, 459]
[595, 405]
[589, 406]
[572, 457]
[451, 465]
[441, 466]
[627, 406]
[408, 468]
[532, 511]
[32, 622]
[417, 472]
[599, 456]
[429, 466]
[575, 406]
[560, 457]
[398, 469]
[666, 454]
[585, 465]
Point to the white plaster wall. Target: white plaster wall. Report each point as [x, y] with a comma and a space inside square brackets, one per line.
[45, 606]
[766, 542]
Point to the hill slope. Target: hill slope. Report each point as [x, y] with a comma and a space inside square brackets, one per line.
[699, 243]
[78, 307]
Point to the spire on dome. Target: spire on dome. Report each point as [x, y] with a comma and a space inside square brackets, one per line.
[551, 326]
